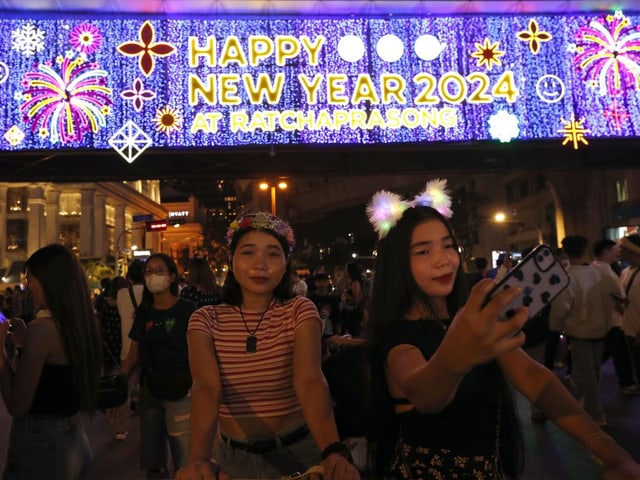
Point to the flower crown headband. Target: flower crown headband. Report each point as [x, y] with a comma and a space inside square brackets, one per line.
[385, 208]
[262, 221]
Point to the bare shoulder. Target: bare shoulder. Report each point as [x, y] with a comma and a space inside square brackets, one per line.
[43, 330]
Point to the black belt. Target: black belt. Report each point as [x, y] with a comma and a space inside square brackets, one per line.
[264, 446]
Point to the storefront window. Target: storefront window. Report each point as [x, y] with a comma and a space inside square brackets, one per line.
[622, 190]
[17, 235]
[70, 204]
[17, 199]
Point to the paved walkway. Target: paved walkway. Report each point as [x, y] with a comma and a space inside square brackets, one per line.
[551, 454]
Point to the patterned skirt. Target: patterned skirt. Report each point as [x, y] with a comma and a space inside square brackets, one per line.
[412, 462]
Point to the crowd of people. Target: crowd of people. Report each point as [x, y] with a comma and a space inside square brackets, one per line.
[407, 374]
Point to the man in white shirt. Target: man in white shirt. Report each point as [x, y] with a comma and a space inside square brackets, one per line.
[126, 308]
[298, 285]
[605, 255]
[582, 310]
[630, 253]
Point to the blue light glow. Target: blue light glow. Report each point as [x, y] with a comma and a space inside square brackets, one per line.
[73, 83]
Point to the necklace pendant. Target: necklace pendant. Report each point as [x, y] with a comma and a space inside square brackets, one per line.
[252, 344]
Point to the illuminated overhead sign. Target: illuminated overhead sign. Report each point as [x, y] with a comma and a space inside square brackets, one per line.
[132, 84]
[157, 225]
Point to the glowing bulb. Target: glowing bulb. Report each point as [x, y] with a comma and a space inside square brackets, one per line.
[351, 48]
[390, 48]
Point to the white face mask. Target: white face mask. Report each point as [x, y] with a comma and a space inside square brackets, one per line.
[157, 283]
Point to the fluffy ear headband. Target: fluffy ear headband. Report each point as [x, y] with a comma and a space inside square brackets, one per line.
[385, 208]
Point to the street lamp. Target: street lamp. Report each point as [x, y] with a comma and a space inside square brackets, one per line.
[502, 217]
[281, 185]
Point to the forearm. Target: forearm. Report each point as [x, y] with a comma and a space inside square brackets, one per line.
[130, 363]
[562, 408]
[433, 386]
[317, 408]
[204, 422]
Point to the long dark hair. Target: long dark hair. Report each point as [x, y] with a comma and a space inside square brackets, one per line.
[232, 291]
[66, 292]
[147, 295]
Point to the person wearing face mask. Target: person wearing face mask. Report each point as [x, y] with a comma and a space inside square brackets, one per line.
[159, 347]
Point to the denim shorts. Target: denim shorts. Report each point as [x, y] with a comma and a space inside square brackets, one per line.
[48, 446]
[282, 462]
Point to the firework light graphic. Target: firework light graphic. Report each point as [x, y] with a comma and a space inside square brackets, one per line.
[609, 52]
[67, 104]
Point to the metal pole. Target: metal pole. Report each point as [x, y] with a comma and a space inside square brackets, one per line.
[273, 200]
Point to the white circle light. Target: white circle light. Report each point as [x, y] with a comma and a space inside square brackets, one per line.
[351, 48]
[428, 47]
[390, 48]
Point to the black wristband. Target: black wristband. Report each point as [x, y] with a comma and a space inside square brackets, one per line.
[339, 448]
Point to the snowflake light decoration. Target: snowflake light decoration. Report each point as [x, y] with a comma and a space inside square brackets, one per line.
[130, 141]
[503, 126]
[574, 131]
[14, 136]
[28, 40]
[487, 54]
[609, 53]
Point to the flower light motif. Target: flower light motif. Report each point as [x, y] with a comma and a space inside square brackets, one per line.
[168, 120]
[86, 38]
[609, 52]
[262, 221]
[534, 36]
[138, 94]
[147, 49]
[503, 126]
[488, 54]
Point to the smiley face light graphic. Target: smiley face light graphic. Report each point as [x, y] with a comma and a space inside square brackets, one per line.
[550, 88]
[4, 72]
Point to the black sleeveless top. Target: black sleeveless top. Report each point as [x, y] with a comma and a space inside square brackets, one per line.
[55, 392]
[468, 425]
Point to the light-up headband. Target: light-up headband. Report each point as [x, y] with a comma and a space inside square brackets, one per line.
[385, 208]
[262, 221]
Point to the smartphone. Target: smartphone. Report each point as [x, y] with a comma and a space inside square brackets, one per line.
[2, 318]
[541, 277]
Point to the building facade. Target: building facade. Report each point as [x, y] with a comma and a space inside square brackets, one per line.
[95, 220]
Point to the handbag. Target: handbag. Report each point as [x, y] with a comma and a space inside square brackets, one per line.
[113, 388]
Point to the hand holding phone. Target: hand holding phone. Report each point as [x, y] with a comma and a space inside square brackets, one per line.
[541, 277]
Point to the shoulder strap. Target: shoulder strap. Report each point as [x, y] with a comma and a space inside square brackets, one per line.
[133, 297]
[631, 281]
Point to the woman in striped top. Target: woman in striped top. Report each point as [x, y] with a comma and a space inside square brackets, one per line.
[256, 366]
